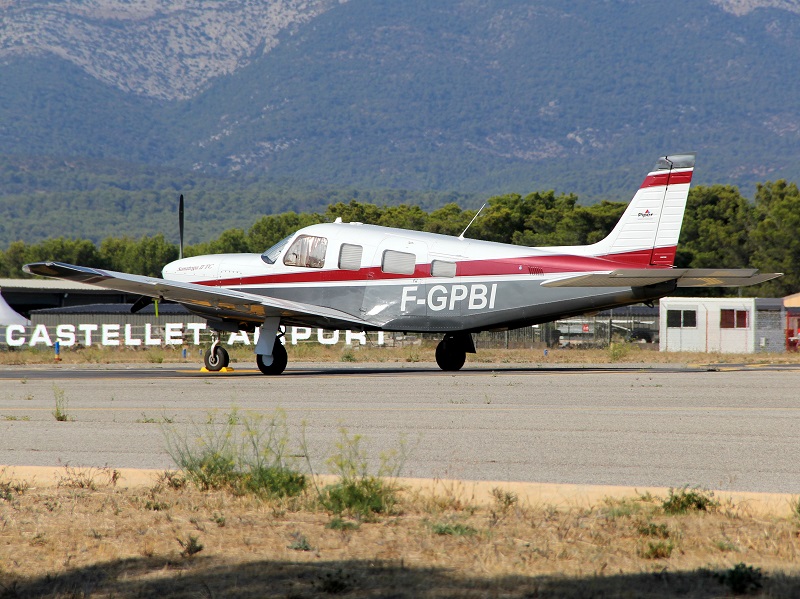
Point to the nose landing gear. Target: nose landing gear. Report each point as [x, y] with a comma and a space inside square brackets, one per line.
[216, 357]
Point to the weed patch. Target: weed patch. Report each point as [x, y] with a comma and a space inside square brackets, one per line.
[60, 412]
[244, 454]
[657, 550]
[684, 500]
[359, 493]
[10, 489]
[342, 524]
[190, 546]
[742, 579]
[88, 478]
[654, 530]
[335, 583]
[300, 543]
[454, 530]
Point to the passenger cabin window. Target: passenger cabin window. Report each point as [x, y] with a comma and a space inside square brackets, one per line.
[307, 251]
[399, 263]
[350, 256]
[441, 268]
[682, 319]
[733, 319]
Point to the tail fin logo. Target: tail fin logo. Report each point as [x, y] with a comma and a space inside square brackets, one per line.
[646, 214]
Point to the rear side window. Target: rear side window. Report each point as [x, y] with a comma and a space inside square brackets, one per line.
[399, 263]
[307, 251]
[442, 268]
[350, 256]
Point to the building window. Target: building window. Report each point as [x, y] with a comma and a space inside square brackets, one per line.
[733, 319]
[350, 256]
[399, 263]
[681, 319]
[307, 251]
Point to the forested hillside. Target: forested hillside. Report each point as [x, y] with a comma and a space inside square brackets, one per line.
[92, 200]
[721, 229]
[487, 96]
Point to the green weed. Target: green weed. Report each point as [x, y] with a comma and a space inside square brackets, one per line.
[359, 493]
[621, 508]
[654, 530]
[300, 543]
[684, 500]
[60, 413]
[455, 530]
[335, 583]
[255, 461]
[11, 488]
[191, 546]
[618, 351]
[657, 550]
[88, 478]
[741, 579]
[341, 524]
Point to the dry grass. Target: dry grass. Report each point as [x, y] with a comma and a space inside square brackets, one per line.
[100, 540]
[627, 353]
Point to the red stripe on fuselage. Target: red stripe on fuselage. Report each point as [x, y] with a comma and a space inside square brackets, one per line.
[654, 180]
[522, 265]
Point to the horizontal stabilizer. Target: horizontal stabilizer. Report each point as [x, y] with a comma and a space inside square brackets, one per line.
[686, 277]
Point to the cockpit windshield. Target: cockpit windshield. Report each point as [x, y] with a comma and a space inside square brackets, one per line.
[271, 255]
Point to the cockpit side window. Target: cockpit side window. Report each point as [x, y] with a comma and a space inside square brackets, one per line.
[307, 251]
[272, 253]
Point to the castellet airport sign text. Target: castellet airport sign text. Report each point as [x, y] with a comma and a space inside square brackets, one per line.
[170, 333]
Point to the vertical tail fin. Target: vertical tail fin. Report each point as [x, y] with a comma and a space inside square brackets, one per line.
[647, 234]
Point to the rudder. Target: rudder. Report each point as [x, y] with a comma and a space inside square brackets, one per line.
[648, 231]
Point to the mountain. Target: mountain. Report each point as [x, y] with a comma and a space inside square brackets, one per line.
[475, 96]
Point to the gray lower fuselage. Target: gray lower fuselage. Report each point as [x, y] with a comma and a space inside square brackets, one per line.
[430, 305]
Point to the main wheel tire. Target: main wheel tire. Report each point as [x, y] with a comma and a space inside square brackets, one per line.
[450, 356]
[216, 361]
[279, 360]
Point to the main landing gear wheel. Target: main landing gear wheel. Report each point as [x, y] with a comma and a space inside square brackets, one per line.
[450, 355]
[279, 360]
[216, 358]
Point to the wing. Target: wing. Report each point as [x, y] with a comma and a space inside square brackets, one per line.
[209, 300]
[686, 277]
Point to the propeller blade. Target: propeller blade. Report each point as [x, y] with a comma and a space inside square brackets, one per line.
[180, 226]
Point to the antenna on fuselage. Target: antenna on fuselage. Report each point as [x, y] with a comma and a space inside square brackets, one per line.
[180, 226]
[472, 221]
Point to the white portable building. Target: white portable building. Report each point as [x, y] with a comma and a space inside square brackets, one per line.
[725, 325]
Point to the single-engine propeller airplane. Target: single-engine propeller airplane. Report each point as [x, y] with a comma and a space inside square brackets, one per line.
[364, 277]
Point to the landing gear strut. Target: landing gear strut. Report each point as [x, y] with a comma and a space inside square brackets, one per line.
[216, 357]
[451, 353]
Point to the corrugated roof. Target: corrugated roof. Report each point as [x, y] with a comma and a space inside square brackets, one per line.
[48, 285]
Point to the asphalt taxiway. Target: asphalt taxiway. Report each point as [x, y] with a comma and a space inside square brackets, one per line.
[725, 427]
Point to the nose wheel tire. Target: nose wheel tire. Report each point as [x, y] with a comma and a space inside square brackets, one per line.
[450, 356]
[217, 359]
[279, 360]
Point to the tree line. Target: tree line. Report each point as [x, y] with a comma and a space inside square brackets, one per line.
[721, 229]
